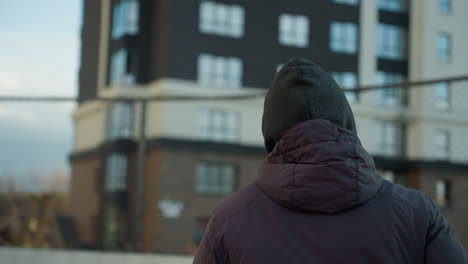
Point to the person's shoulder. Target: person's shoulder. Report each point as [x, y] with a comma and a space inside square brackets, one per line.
[408, 197]
[235, 204]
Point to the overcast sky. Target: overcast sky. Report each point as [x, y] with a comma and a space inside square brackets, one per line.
[39, 55]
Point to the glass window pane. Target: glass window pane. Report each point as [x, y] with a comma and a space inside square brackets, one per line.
[393, 5]
[214, 178]
[220, 71]
[443, 46]
[391, 42]
[132, 17]
[221, 19]
[218, 125]
[348, 2]
[442, 192]
[442, 95]
[116, 172]
[441, 141]
[389, 138]
[445, 6]
[120, 120]
[293, 30]
[343, 37]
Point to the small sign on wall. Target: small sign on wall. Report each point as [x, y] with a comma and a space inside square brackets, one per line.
[170, 208]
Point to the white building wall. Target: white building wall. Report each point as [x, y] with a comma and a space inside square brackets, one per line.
[181, 117]
[426, 22]
[90, 124]
[171, 119]
[367, 50]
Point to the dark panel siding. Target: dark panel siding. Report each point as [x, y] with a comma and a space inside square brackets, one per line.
[394, 66]
[89, 48]
[259, 47]
[154, 40]
[394, 18]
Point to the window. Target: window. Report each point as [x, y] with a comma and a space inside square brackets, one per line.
[445, 6]
[442, 95]
[222, 71]
[346, 80]
[391, 42]
[343, 37]
[347, 2]
[120, 120]
[218, 125]
[391, 96]
[114, 232]
[442, 190]
[442, 144]
[221, 19]
[119, 69]
[293, 30]
[393, 177]
[125, 18]
[393, 5]
[389, 176]
[116, 173]
[389, 138]
[214, 178]
[443, 47]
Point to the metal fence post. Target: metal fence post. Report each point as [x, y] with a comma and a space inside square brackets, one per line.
[140, 177]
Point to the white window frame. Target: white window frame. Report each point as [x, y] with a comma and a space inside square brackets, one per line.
[347, 80]
[393, 5]
[118, 72]
[391, 42]
[444, 46]
[389, 138]
[120, 121]
[218, 125]
[442, 192]
[389, 96]
[220, 71]
[125, 18]
[389, 176]
[343, 37]
[220, 19]
[441, 144]
[442, 95]
[293, 30]
[445, 6]
[215, 178]
[116, 173]
[347, 2]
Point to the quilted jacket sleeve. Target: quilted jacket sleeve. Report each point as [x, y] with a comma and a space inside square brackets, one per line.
[212, 249]
[442, 246]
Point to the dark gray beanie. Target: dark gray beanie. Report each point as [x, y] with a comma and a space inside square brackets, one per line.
[302, 91]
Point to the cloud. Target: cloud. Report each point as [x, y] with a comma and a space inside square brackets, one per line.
[39, 56]
[11, 114]
[50, 68]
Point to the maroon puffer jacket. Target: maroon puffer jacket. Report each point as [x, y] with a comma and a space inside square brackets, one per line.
[318, 199]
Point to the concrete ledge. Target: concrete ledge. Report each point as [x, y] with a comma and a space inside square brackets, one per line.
[57, 256]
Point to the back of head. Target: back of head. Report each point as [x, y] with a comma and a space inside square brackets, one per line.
[302, 91]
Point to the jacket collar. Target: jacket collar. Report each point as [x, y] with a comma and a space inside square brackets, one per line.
[320, 167]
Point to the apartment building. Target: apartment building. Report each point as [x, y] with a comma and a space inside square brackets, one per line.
[198, 152]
